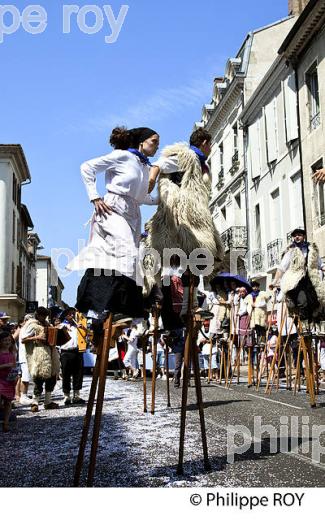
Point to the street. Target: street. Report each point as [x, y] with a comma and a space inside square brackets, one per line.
[141, 450]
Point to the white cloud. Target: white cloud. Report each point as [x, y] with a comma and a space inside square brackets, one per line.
[158, 106]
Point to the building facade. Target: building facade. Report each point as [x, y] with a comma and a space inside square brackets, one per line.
[49, 287]
[222, 119]
[304, 49]
[274, 178]
[14, 173]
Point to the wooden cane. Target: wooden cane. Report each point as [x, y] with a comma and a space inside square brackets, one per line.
[154, 358]
[298, 371]
[100, 397]
[283, 354]
[87, 418]
[317, 369]
[259, 375]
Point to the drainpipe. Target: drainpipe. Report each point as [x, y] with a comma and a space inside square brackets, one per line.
[300, 149]
[246, 195]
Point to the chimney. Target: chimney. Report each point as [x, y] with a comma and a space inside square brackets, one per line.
[296, 7]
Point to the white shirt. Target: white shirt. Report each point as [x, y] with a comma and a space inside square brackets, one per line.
[125, 175]
[167, 164]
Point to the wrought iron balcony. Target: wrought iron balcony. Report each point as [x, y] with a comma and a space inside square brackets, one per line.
[315, 121]
[235, 237]
[274, 250]
[257, 260]
[235, 162]
[221, 176]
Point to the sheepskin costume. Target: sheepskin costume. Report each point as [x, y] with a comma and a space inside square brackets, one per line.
[183, 218]
[43, 361]
[298, 270]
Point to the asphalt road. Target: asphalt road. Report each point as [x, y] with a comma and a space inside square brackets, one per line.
[141, 450]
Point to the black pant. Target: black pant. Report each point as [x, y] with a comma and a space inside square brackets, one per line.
[72, 366]
[39, 382]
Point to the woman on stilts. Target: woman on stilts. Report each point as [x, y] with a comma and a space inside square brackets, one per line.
[111, 282]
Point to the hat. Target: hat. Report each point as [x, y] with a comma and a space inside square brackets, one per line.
[4, 315]
[298, 231]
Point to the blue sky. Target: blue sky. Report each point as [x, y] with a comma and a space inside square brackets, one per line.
[61, 94]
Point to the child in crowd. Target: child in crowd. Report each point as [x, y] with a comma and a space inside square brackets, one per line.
[8, 375]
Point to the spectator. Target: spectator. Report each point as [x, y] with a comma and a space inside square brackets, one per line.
[4, 325]
[43, 361]
[71, 360]
[8, 375]
[25, 375]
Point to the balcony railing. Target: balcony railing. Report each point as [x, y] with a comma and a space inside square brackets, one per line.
[221, 176]
[235, 238]
[315, 121]
[274, 250]
[257, 261]
[234, 162]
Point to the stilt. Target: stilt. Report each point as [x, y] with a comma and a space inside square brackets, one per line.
[155, 311]
[100, 397]
[210, 363]
[144, 353]
[167, 373]
[190, 346]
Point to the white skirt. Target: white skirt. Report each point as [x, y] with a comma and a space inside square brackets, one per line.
[114, 239]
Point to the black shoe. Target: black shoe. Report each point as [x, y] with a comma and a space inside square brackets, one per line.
[203, 315]
[120, 318]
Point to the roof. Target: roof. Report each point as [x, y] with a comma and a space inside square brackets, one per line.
[27, 216]
[16, 153]
[304, 29]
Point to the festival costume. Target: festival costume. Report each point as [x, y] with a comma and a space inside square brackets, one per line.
[183, 218]
[114, 239]
[301, 282]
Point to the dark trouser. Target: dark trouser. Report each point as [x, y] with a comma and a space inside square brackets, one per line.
[72, 366]
[179, 356]
[39, 382]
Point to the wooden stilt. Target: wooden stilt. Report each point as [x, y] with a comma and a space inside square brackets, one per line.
[87, 418]
[167, 374]
[190, 346]
[154, 357]
[100, 397]
[210, 363]
[196, 368]
[144, 353]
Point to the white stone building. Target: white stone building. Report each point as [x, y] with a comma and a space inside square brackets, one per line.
[274, 180]
[304, 49]
[14, 173]
[49, 287]
[221, 118]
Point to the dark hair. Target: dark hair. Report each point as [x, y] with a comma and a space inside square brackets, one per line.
[120, 138]
[5, 335]
[199, 136]
[42, 311]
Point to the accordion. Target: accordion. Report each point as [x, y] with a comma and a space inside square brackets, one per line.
[57, 337]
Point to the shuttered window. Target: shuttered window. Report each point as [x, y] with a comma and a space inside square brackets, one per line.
[290, 103]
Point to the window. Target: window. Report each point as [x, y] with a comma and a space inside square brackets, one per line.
[258, 240]
[238, 200]
[319, 195]
[224, 212]
[290, 107]
[221, 155]
[14, 188]
[313, 96]
[275, 216]
[13, 227]
[13, 287]
[235, 131]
